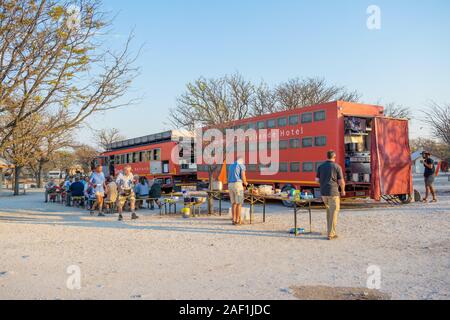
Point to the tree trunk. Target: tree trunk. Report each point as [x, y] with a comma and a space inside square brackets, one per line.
[210, 199]
[39, 175]
[17, 170]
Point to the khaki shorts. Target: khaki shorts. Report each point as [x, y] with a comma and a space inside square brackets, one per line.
[100, 194]
[236, 193]
[121, 200]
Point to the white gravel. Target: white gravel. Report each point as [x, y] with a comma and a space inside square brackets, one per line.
[207, 258]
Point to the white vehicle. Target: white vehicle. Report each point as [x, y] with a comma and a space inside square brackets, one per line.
[55, 175]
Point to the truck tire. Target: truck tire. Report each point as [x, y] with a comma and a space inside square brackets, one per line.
[405, 198]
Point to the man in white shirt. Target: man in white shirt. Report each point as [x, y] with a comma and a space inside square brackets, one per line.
[125, 184]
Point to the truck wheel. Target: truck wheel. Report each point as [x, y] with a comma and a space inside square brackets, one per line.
[405, 198]
[288, 189]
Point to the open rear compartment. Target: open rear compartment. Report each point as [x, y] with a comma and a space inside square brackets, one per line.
[358, 145]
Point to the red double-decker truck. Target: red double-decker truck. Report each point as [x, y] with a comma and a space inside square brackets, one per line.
[152, 157]
[372, 149]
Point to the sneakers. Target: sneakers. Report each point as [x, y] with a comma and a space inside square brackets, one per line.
[120, 217]
[101, 214]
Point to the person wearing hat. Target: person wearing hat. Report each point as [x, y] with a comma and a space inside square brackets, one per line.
[430, 175]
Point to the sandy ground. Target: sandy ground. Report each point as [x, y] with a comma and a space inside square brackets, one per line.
[207, 258]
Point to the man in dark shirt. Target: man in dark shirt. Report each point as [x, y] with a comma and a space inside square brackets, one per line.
[76, 189]
[330, 177]
[429, 175]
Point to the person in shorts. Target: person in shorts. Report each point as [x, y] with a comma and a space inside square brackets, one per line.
[97, 181]
[125, 184]
[429, 176]
[237, 181]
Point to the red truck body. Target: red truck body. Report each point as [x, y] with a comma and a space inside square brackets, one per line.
[151, 157]
[307, 134]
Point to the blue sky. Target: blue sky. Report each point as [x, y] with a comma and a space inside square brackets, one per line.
[407, 61]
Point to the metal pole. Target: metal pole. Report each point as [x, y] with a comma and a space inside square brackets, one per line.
[220, 203]
[295, 219]
[251, 209]
[310, 218]
[264, 210]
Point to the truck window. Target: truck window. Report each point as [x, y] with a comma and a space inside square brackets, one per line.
[251, 126]
[271, 124]
[307, 117]
[307, 142]
[295, 167]
[157, 155]
[319, 116]
[283, 167]
[284, 144]
[282, 122]
[295, 143]
[308, 167]
[320, 141]
[293, 120]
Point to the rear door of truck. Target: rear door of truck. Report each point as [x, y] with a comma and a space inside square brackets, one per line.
[391, 158]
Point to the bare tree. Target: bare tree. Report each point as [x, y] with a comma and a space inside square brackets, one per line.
[84, 156]
[438, 118]
[436, 148]
[265, 101]
[214, 103]
[46, 151]
[51, 60]
[21, 150]
[209, 102]
[298, 93]
[64, 161]
[106, 137]
[394, 110]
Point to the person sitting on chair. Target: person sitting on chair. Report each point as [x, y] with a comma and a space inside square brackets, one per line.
[50, 187]
[142, 191]
[112, 192]
[76, 190]
[155, 193]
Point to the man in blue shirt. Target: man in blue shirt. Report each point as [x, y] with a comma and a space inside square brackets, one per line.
[98, 182]
[237, 179]
[76, 190]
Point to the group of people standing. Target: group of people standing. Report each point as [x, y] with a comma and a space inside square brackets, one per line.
[332, 187]
[103, 191]
[329, 175]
